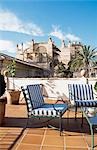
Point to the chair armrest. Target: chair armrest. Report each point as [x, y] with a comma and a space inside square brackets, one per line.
[62, 100]
[55, 108]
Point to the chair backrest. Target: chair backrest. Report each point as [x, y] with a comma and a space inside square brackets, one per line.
[80, 92]
[35, 94]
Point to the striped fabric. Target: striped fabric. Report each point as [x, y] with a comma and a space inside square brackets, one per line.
[82, 95]
[37, 107]
[49, 110]
[35, 94]
[86, 103]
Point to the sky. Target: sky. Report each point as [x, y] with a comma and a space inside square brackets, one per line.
[68, 20]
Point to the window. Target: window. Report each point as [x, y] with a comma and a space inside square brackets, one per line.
[41, 54]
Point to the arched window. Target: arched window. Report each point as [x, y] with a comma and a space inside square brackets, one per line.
[29, 56]
[41, 54]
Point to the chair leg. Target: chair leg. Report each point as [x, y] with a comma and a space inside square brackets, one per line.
[68, 111]
[27, 123]
[82, 120]
[60, 124]
[75, 112]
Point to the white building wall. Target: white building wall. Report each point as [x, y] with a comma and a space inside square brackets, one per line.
[55, 88]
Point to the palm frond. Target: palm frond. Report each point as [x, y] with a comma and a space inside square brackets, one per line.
[83, 58]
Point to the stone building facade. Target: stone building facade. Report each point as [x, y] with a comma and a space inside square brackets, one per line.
[44, 53]
[68, 50]
[39, 59]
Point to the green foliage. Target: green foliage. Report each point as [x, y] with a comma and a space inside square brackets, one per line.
[61, 68]
[11, 68]
[61, 71]
[83, 59]
[95, 86]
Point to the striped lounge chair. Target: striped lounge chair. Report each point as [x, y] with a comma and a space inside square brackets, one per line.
[81, 95]
[38, 108]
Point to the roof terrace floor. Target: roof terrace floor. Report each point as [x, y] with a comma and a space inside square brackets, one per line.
[37, 136]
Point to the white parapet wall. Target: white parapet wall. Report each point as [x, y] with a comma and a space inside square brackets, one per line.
[55, 88]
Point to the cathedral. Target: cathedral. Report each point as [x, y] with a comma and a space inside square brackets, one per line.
[47, 54]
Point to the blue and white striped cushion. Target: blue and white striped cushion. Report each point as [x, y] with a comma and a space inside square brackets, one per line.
[35, 94]
[82, 95]
[86, 103]
[50, 110]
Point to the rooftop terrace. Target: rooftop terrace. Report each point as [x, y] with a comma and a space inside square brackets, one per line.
[37, 136]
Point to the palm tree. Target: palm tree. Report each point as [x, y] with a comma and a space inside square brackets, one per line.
[61, 71]
[85, 58]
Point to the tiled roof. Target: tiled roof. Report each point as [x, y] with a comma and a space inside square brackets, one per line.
[20, 61]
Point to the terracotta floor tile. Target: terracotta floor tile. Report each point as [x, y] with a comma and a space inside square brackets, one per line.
[53, 132]
[52, 148]
[69, 133]
[52, 140]
[77, 141]
[6, 139]
[10, 130]
[10, 135]
[36, 131]
[88, 140]
[73, 138]
[74, 148]
[2, 135]
[27, 147]
[3, 130]
[32, 139]
[4, 146]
